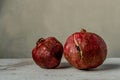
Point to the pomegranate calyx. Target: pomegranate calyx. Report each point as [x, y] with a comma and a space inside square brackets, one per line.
[83, 30]
[40, 40]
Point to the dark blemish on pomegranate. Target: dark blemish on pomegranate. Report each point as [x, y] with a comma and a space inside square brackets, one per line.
[77, 47]
[57, 56]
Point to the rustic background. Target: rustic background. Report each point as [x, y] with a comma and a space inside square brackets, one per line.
[22, 22]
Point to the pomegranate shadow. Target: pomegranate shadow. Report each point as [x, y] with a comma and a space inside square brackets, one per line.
[64, 65]
[106, 67]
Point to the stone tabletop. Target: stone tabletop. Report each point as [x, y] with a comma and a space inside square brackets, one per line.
[26, 69]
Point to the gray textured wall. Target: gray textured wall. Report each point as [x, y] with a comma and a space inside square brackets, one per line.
[22, 22]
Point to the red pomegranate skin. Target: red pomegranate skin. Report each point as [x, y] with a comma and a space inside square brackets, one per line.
[85, 50]
[48, 53]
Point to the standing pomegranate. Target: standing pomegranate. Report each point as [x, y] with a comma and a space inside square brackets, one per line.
[48, 52]
[85, 50]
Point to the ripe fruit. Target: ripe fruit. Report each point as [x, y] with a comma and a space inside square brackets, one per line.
[48, 52]
[85, 50]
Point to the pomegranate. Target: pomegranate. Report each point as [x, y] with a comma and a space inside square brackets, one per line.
[47, 53]
[85, 50]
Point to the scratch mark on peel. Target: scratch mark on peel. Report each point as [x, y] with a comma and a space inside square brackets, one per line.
[81, 54]
[78, 47]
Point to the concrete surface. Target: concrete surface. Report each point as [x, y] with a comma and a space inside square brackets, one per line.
[26, 69]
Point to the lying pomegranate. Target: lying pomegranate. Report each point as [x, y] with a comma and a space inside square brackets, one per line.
[48, 52]
[85, 50]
